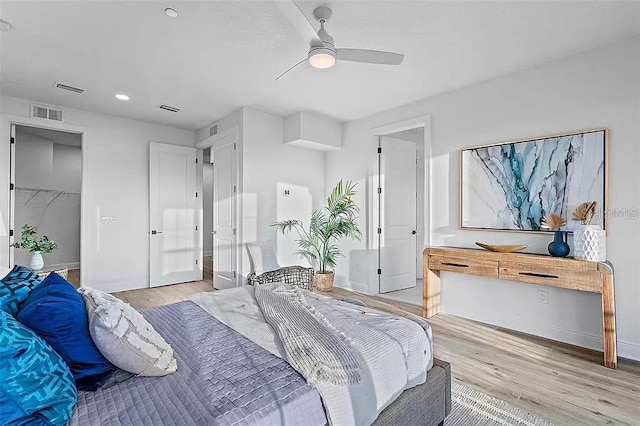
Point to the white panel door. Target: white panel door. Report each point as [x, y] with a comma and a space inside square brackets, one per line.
[174, 210]
[13, 233]
[397, 214]
[223, 157]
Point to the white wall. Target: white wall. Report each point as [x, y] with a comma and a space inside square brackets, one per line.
[116, 184]
[597, 88]
[268, 166]
[42, 164]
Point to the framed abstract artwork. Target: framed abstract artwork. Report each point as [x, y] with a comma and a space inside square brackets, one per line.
[510, 186]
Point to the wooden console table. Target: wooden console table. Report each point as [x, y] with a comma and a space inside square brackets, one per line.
[595, 277]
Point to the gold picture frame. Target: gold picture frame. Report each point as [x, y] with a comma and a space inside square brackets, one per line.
[509, 186]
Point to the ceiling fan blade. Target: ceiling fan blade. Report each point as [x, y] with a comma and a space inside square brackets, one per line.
[298, 19]
[370, 56]
[294, 67]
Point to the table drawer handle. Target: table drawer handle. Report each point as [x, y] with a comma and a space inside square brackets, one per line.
[535, 274]
[459, 265]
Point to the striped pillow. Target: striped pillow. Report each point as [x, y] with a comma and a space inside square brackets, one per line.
[125, 338]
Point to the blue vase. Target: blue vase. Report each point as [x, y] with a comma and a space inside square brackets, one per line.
[558, 247]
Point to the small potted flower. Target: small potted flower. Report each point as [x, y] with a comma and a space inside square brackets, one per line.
[36, 245]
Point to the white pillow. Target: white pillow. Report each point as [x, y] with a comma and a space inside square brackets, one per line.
[124, 337]
[263, 257]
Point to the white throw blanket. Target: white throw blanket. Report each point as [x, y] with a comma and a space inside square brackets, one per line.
[394, 353]
[314, 347]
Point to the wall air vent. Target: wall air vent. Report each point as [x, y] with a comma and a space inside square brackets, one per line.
[45, 112]
[69, 88]
[169, 108]
[213, 130]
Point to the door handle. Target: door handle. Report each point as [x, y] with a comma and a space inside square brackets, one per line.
[413, 232]
[154, 232]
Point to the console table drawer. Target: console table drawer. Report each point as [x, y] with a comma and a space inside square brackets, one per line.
[577, 279]
[485, 268]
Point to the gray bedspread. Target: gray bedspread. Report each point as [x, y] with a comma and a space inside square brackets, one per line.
[223, 378]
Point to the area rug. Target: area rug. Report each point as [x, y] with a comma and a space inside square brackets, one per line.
[470, 408]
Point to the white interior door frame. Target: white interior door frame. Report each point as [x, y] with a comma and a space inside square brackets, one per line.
[231, 134]
[397, 193]
[374, 210]
[175, 230]
[7, 121]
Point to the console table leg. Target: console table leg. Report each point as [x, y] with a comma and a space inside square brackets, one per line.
[609, 322]
[430, 292]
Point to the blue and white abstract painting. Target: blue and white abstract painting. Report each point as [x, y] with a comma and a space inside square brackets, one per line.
[512, 186]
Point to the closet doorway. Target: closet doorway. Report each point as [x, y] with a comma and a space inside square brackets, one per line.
[46, 170]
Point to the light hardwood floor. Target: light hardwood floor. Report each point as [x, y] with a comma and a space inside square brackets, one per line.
[156, 296]
[562, 383]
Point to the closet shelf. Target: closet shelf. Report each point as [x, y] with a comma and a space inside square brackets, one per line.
[24, 188]
[56, 193]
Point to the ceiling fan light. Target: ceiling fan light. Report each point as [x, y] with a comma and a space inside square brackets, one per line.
[322, 58]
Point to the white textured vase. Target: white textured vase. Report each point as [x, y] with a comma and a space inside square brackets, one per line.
[37, 262]
[589, 243]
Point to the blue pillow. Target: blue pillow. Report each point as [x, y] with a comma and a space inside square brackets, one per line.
[37, 386]
[55, 311]
[16, 287]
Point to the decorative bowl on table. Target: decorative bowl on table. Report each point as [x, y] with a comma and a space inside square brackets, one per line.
[503, 248]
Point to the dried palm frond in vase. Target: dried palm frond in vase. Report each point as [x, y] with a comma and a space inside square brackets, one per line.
[585, 212]
[552, 221]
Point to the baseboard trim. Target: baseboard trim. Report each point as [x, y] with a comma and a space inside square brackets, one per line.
[586, 340]
[350, 285]
[74, 265]
[628, 350]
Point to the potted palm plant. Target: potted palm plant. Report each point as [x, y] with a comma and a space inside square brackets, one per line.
[318, 243]
[36, 245]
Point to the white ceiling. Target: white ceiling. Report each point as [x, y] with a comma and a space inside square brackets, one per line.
[221, 55]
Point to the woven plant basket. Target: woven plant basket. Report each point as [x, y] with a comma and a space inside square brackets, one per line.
[323, 282]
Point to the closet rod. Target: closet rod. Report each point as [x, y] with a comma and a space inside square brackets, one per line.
[23, 188]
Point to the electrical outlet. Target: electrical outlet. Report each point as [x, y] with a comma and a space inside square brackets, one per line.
[286, 192]
[543, 296]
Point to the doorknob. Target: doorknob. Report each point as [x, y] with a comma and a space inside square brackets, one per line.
[413, 232]
[154, 232]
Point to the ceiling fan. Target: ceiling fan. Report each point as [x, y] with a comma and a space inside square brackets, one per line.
[322, 50]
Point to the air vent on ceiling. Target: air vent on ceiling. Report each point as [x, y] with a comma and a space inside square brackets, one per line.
[213, 130]
[69, 88]
[169, 108]
[45, 112]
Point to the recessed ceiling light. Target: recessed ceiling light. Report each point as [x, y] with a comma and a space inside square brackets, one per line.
[172, 13]
[122, 97]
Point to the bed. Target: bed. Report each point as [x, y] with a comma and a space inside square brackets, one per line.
[231, 371]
